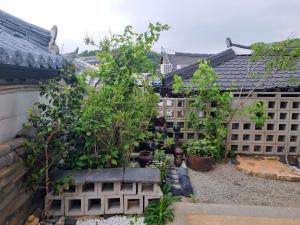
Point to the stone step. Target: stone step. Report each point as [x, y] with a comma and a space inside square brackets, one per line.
[185, 210]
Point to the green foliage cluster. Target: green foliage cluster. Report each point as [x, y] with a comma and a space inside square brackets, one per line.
[54, 126]
[257, 112]
[88, 53]
[278, 55]
[82, 126]
[161, 162]
[115, 116]
[159, 213]
[153, 56]
[63, 184]
[208, 96]
[204, 147]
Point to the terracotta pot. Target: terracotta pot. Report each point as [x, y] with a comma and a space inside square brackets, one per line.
[199, 163]
[144, 158]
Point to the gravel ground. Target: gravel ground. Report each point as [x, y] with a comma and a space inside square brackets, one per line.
[114, 220]
[226, 185]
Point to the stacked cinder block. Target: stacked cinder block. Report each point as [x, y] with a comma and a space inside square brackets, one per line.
[145, 182]
[279, 134]
[106, 191]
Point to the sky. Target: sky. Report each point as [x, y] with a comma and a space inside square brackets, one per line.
[197, 26]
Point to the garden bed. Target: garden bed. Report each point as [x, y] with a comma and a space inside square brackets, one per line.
[226, 185]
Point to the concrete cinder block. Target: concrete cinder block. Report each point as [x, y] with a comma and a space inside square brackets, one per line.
[74, 206]
[93, 205]
[74, 190]
[145, 188]
[113, 204]
[133, 204]
[89, 189]
[152, 198]
[55, 204]
[109, 188]
[128, 188]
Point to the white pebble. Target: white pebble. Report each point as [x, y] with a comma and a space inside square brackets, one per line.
[114, 220]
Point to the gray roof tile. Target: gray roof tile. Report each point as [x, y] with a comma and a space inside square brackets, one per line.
[24, 44]
[233, 68]
[183, 59]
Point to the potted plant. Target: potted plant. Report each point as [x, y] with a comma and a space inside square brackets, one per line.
[144, 158]
[200, 154]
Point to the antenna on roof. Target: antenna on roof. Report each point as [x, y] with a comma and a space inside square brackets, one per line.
[230, 44]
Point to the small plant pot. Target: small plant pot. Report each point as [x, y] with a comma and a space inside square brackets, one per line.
[199, 163]
[144, 158]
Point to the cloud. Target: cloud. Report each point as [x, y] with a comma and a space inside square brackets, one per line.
[196, 25]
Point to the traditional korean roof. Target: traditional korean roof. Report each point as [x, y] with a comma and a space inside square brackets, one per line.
[93, 60]
[81, 65]
[27, 46]
[232, 68]
[182, 59]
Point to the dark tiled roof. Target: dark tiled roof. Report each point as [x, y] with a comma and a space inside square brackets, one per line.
[93, 60]
[236, 69]
[184, 59]
[27, 45]
[81, 65]
[233, 68]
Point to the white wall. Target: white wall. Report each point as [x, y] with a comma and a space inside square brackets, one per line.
[15, 100]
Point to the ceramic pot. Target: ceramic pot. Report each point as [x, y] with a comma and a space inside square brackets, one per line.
[144, 158]
[199, 163]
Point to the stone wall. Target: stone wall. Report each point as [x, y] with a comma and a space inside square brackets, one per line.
[15, 203]
[15, 100]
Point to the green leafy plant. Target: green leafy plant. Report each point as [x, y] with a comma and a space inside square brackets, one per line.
[204, 147]
[162, 165]
[257, 112]
[116, 114]
[161, 162]
[132, 219]
[54, 124]
[278, 55]
[168, 142]
[159, 155]
[207, 96]
[159, 213]
[63, 184]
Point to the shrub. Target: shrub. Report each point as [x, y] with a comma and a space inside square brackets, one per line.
[159, 213]
[204, 147]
